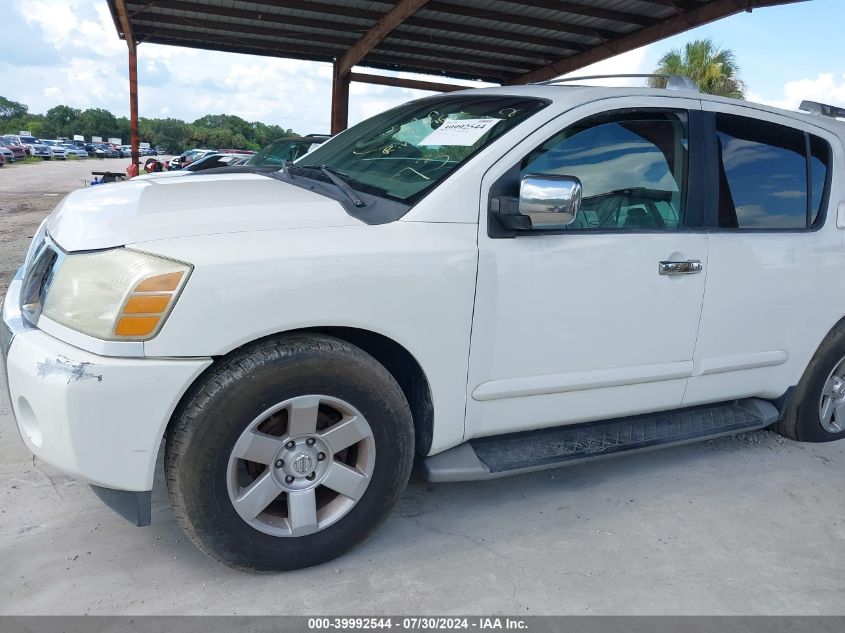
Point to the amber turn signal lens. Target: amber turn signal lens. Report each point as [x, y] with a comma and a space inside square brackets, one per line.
[160, 283]
[146, 304]
[136, 326]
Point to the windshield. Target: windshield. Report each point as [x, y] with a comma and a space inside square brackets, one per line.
[29, 139]
[404, 152]
[281, 150]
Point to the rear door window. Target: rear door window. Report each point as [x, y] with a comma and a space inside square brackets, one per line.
[770, 176]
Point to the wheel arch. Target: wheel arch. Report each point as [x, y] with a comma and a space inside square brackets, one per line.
[398, 361]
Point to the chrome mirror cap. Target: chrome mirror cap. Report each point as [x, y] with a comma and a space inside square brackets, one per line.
[550, 201]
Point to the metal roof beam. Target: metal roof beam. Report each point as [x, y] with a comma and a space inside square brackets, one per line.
[400, 82]
[493, 72]
[590, 11]
[400, 12]
[296, 29]
[152, 23]
[560, 26]
[503, 35]
[125, 23]
[678, 23]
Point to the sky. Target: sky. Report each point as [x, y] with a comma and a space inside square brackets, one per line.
[67, 52]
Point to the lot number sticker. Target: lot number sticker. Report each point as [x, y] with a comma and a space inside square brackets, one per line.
[460, 132]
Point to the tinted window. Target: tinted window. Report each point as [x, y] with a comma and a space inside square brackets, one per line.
[632, 167]
[763, 174]
[820, 158]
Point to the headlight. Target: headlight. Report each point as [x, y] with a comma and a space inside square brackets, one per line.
[115, 295]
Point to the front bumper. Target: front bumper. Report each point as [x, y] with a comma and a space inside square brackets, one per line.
[96, 418]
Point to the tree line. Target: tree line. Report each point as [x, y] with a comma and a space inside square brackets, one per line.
[212, 130]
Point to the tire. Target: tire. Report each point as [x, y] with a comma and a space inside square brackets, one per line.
[213, 432]
[802, 419]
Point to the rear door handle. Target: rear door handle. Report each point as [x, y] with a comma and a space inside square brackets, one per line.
[688, 267]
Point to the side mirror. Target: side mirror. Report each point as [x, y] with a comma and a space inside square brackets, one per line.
[545, 202]
[549, 201]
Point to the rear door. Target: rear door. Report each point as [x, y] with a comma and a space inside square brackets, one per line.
[776, 267]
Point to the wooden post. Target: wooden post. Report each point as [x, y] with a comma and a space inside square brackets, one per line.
[125, 29]
[133, 102]
[340, 100]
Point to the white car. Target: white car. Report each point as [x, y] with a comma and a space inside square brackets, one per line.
[488, 281]
[57, 150]
[74, 150]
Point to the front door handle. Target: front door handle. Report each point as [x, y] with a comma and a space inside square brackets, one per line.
[688, 267]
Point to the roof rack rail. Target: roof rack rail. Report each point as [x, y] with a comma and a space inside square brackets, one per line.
[822, 109]
[673, 82]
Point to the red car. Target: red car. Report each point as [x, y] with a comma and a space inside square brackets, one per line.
[19, 151]
[2, 160]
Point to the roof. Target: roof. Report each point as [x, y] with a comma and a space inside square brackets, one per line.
[500, 41]
[566, 96]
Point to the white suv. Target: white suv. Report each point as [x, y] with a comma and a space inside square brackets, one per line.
[492, 281]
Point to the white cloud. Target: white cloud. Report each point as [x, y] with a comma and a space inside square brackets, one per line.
[825, 88]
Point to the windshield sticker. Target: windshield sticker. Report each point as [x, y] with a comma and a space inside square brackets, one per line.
[460, 132]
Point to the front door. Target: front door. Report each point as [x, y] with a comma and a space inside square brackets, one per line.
[582, 324]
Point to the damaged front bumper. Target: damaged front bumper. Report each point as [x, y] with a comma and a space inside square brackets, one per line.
[96, 418]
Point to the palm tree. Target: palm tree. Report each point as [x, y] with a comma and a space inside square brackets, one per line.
[714, 70]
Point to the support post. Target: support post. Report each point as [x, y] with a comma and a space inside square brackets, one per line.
[340, 99]
[133, 103]
[124, 25]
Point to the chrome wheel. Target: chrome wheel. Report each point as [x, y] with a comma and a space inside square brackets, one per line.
[832, 400]
[301, 465]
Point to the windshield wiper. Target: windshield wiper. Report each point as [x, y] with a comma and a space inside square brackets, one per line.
[337, 177]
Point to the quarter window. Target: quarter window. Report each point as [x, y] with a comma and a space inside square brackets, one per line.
[770, 176]
[632, 167]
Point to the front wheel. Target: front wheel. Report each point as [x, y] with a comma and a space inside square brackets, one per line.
[289, 453]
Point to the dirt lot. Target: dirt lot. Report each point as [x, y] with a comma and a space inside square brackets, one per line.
[28, 192]
[748, 525]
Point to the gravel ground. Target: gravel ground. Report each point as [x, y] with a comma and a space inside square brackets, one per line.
[752, 524]
[28, 192]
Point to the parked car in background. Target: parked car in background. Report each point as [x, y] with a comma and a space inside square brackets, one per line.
[57, 151]
[242, 152]
[73, 150]
[189, 156]
[18, 151]
[93, 150]
[35, 146]
[290, 148]
[109, 150]
[211, 161]
[6, 156]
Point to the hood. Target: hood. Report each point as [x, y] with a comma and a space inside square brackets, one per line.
[141, 210]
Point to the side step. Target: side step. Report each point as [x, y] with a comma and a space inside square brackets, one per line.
[502, 455]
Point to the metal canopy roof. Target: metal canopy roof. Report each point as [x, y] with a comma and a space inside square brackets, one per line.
[501, 41]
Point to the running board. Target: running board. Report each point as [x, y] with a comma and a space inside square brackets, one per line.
[502, 455]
